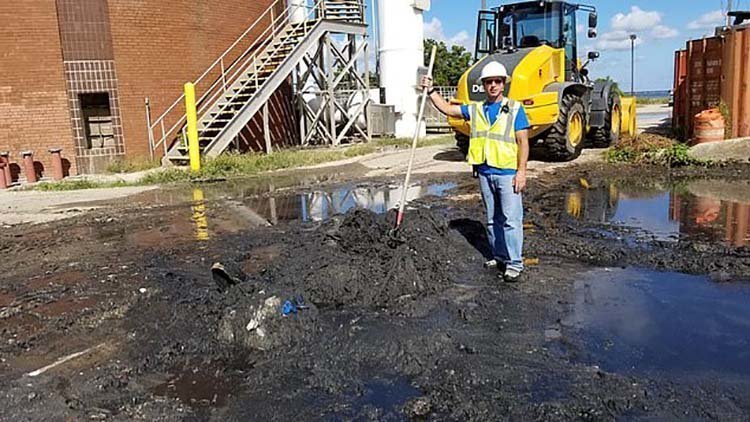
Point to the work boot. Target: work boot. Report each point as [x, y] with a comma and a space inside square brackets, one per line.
[512, 275]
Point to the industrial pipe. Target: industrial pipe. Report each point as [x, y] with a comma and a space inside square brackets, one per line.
[57, 166]
[5, 159]
[3, 183]
[28, 166]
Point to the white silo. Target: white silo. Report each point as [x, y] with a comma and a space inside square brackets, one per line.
[298, 11]
[401, 39]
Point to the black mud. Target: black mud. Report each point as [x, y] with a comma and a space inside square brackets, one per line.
[415, 329]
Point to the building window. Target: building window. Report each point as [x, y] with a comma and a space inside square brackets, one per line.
[97, 120]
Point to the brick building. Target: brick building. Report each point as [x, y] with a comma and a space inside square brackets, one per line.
[75, 73]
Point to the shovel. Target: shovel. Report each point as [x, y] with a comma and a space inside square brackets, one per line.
[394, 233]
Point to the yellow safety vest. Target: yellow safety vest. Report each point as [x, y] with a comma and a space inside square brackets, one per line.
[494, 145]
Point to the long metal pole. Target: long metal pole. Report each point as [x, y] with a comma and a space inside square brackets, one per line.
[632, 65]
[402, 204]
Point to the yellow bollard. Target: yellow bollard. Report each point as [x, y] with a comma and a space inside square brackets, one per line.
[191, 115]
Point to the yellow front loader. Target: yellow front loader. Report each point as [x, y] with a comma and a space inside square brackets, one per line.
[537, 43]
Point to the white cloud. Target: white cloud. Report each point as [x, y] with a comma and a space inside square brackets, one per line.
[615, 36]
[636, 20]
[617, 45]
[709, 20]
[646, 25]
[434, 30]
[662, 31]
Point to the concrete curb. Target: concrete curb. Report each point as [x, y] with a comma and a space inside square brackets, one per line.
[728, 150]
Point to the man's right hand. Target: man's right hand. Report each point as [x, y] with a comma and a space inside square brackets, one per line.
[426, 82]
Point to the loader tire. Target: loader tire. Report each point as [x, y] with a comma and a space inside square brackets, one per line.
[608, 135]
[565, 138]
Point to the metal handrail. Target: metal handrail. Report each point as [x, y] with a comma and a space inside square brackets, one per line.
[270, 54]
[229, 75]
[159, 121]
[264, 40]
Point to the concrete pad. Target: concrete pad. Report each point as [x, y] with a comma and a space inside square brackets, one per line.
[728, 150]
[18, 207]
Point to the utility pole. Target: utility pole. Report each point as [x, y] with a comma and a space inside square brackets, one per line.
[632, 64]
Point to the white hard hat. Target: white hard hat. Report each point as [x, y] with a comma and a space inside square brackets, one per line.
[494, 70]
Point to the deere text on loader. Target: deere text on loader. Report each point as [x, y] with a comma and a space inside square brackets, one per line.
[537, 42]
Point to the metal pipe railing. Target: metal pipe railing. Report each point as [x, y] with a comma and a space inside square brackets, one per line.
[159, 121]
[228, 75]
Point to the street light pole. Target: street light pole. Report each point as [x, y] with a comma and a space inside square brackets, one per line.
[632, 64]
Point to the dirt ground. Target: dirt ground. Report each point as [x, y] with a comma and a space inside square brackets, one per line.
[114, 315]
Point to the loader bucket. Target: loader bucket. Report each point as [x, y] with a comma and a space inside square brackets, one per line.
[628, 123]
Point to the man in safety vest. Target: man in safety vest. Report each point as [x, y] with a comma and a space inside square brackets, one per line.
[498, 150]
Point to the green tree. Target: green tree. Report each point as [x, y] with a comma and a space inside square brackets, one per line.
[450, 63]
[615, 85]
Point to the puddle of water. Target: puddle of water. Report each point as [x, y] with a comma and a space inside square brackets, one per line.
[636, 320]
[196, 389]
[386, 395]
[199, 219]
[666, 215]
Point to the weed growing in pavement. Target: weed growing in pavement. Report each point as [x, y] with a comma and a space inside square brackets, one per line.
[66, 185]
[652, 149]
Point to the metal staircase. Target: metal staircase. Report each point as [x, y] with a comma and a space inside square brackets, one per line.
[240, 90]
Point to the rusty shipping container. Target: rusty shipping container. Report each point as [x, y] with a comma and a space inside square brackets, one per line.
[736, 80]
[712, 71]
[679, 90]
[704, 76]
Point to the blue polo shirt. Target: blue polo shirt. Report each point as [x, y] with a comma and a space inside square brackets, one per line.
[492, 110]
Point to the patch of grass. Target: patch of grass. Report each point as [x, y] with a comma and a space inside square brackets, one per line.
[132, 165]
[648, 101]
[652, 149]
[235, 165]
[66, 185]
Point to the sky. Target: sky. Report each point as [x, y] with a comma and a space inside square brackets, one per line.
[662, 27]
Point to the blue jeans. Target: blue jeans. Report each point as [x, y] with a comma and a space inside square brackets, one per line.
[504, 219]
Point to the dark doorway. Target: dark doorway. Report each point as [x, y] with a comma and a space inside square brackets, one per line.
[97, 120]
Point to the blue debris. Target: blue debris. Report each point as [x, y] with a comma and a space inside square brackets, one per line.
[291, 306]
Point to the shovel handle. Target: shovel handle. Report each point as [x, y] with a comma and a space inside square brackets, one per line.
[402, 204]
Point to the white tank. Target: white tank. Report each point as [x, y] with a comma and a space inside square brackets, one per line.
[297, 11]
[401, 39]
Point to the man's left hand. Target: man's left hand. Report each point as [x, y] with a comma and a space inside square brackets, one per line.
[519, 182]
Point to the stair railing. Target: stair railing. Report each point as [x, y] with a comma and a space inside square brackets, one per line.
[162, 134]
[167, 127]
[272, 34]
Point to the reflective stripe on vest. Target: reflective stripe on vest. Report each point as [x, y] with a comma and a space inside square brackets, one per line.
[494, 145]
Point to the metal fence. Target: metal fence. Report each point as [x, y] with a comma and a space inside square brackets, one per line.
[435, 121]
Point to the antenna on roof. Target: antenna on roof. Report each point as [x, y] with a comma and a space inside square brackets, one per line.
[484, 4]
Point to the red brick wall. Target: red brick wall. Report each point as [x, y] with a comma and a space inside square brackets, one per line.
[34, 113]
[160, 45]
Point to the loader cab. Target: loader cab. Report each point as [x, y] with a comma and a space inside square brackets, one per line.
[513, 27]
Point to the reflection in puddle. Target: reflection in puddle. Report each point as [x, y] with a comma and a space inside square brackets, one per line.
[212, 213]
[636, 320]
[199, 215]
[320, 205]
[667, 215]
[385, 395]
